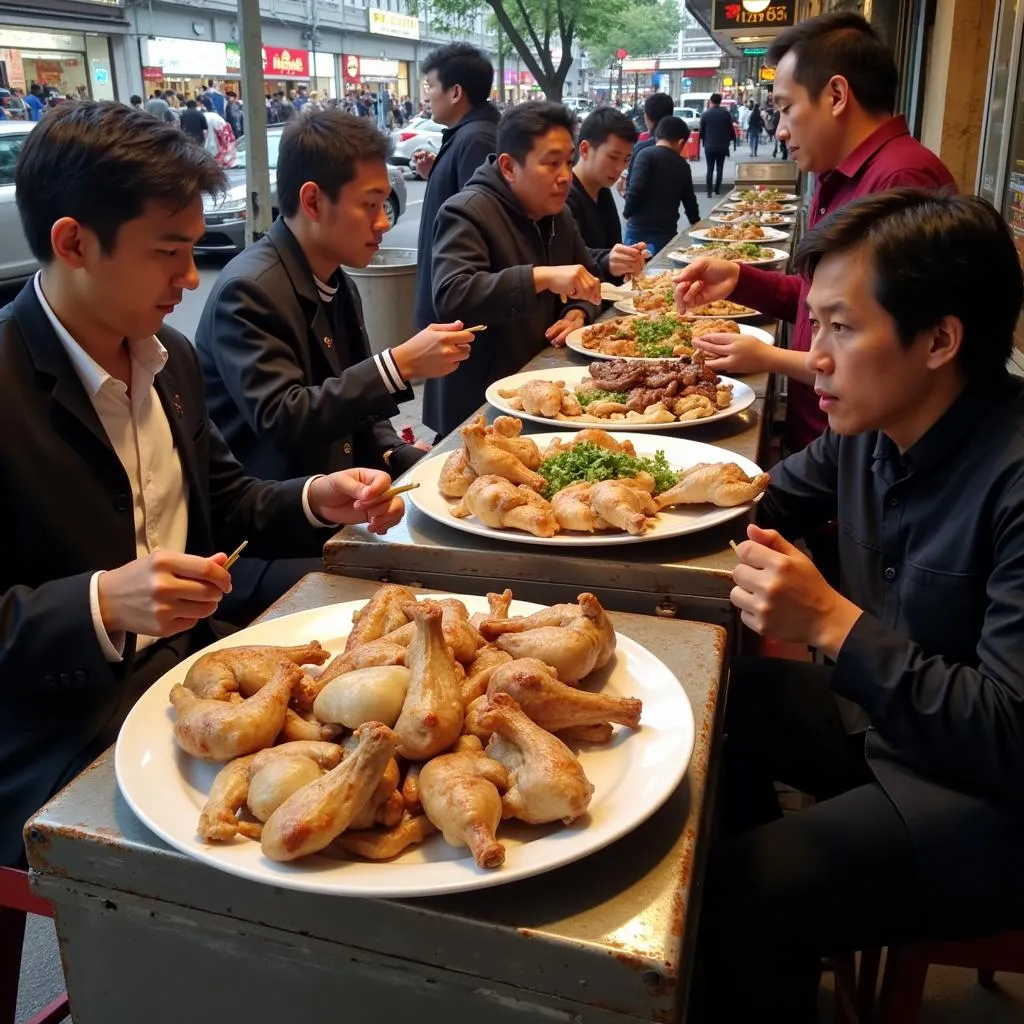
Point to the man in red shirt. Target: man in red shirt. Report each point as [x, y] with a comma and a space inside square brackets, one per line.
[835, 90]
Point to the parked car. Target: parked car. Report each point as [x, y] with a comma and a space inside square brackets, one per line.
[16, 259]
[225, 214]
[419, 133]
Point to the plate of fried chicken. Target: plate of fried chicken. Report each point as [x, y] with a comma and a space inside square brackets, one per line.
[622, 394]
[584, 489]
[409, 745]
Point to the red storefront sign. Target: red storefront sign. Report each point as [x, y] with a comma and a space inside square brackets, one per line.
[351, 68]
[152, 74]
[281, 62]
[701, 72]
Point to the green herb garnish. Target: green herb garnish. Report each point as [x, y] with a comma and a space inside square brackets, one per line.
[597, 395]
[652, 336]
[590, 463]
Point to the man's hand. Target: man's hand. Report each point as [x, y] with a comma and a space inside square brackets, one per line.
[164, 593]
[352, 496]
[627, 260]
[705, 280]
[435, 352]
[735, 353]
[561, 329]
[781, 594]
[574, 282]
[423, 160]
[620, 185]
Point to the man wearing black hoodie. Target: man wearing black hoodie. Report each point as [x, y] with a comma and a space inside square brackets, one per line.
[459, 79]
[507, 253]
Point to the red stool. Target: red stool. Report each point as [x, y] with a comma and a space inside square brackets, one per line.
[17, 900]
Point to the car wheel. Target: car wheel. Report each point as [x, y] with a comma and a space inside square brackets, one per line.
[391, 209]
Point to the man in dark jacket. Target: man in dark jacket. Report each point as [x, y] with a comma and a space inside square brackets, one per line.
[121, 497]
[459, 79]
[716, 136]
[656, 106]
[289, 377]
[507, 254]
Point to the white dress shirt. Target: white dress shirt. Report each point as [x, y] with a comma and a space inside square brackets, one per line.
[140, 435]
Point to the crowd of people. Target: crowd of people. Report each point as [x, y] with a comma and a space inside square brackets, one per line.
[903, 425]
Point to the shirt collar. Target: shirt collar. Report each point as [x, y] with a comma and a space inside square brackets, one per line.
[856, 161]
[147, 352]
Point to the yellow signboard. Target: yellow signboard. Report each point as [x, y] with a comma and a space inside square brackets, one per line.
[726, 83]
[767, 74]
[388, 23]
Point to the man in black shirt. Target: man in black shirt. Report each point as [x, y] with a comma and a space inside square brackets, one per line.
[604, 145]
[716, 136]
[918, 828]
[656, 106]
[193, 122]
[660, 181]
[459, 79]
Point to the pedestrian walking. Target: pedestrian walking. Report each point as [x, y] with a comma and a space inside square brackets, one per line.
[755, 125]
[716, 135]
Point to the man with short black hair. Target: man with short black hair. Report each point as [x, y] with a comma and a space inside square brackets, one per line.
[717, 134]
[193, 123]
[657, 106]
[458, 79]
[136, 102]
[160, 108]
[234, 113]
[835, 90]
[604, 146]
[34, 101]
[507, 254]
[917, 831]
[122, 498]
[290, 380]
[659, 184]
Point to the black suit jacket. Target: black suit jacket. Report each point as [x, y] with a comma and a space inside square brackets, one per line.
[289, 396]
[66, 513]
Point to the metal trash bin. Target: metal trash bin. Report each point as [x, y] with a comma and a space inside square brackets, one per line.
[387, 287]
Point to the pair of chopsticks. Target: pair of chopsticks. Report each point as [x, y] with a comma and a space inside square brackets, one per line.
[477, 329]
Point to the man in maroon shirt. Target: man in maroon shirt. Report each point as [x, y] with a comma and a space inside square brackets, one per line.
[835, 90]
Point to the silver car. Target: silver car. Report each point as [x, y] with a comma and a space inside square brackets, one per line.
[16, 259]
[225, 214]
[419, 133]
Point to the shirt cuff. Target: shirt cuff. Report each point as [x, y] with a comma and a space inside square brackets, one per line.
[312, 519]
[388, 370]
[111, 646]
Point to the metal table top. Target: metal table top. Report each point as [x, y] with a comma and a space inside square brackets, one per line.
[613, 932]
[690, 575]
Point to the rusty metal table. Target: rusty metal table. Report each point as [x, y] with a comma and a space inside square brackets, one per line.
[688, 576]
[147, 934]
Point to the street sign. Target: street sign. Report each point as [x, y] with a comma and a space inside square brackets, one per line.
[754, 51]
[767, 74]
[687, 84]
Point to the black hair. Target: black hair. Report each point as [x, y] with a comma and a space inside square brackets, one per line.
[605, 121]
[716, 99]
[35, 88]
[462, 64]
[190, 104]
[525, 122]
[324, 147]
[658, 105]
[933, 254]
[81, 154]
[841, 43]
[136, 100]
[672, 129]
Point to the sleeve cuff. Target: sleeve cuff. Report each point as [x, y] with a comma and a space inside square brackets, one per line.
[111, 646]
[388, 370]
[310, 518]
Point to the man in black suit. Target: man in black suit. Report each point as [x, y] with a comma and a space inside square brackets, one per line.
[120, 496]
[716, 136]
[290, 381]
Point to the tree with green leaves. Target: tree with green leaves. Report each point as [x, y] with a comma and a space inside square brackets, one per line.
[641, 31]
[541, 32]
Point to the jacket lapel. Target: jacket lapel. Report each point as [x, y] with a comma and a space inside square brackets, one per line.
[301, 276]
[170, 398]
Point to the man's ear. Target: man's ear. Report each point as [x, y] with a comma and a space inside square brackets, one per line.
[839, 94]
[507, 166]
[945, 341]
[71, 242]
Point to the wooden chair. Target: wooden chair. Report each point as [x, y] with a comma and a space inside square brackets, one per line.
[906, 970]
[17, 900]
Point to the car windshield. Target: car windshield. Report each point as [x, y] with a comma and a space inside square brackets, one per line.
[273, 145]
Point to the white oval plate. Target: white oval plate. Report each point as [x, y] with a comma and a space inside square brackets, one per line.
[575, 341]
[633, 776]
[788, 209]
[770, 235]
[673, 522]
[786, 219]
[626, 306]
[742, 398]
[736, 195]
[778, 256]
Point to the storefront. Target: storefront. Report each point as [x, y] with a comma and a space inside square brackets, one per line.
[76, 65]
[376, 73]
[184, 66]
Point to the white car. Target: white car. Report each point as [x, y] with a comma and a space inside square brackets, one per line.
[16, 259]
[419, 133]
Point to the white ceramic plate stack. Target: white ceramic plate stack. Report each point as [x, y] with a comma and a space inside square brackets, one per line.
[633, 776]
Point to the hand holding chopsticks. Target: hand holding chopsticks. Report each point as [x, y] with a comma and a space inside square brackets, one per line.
[435, 352]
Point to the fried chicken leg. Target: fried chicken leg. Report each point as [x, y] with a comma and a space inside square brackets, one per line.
[380, 615]
[500, 504]
[245, 670]
[486, 457]
[723, 484]
[384, 845]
